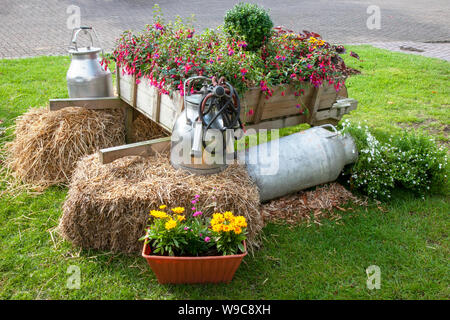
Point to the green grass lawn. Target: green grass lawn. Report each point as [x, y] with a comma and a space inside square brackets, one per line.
[408, 240]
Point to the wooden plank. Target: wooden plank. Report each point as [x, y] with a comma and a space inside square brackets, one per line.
[145, 148]
[88, 103]
[315, 101]
[158, 106]
[337, 111]
[259, 108]
[129, 124]
[118, 81]
[134, 88]
[126, 87]
[278, 123]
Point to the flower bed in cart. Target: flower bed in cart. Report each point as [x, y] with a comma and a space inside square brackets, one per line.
[286, 74]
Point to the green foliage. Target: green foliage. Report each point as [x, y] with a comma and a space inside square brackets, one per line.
[166, 241]
[249, 22]
[407, 160]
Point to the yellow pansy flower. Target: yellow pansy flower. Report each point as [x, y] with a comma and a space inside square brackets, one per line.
[217, 227]
[228, 215]
[170, 224]
[240, 221]
[178, 210]
[158, 214]
[218, 217]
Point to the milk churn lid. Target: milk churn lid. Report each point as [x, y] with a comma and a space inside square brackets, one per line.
[84, 50]
[194, 98]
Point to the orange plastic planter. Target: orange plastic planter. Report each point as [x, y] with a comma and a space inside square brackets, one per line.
[211, 269]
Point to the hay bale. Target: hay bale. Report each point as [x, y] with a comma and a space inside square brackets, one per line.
[49, 143]
[146, 129]
[108, 205]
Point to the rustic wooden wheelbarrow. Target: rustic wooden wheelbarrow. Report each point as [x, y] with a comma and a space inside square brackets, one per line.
[324, 105]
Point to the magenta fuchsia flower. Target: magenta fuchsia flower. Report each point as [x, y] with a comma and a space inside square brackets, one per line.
[158, 26]
[168, 55]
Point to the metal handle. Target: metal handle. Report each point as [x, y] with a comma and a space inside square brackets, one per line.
[329, 125]
[184, 90]
[75, 33]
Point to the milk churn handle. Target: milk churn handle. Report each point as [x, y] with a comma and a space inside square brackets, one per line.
[191, 79]
[84, 28]
[329, 125]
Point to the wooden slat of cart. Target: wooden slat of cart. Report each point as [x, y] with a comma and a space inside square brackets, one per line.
[145, 148]
[88, 103]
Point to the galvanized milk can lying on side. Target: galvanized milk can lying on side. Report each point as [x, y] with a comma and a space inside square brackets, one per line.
[299, 161]
[86, 78]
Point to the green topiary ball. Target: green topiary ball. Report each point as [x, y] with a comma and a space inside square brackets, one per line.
[250, 23]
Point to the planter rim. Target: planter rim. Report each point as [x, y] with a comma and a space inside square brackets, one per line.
[231, 256]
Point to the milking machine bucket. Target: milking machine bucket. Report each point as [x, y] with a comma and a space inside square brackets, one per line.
[199, 135]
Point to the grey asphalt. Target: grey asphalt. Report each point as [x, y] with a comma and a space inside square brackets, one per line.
[36, 27]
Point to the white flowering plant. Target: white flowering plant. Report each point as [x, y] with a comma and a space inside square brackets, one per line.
[408, 160]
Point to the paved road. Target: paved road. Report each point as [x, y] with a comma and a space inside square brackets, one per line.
[36, 27]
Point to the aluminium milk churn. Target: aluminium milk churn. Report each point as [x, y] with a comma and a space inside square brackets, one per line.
[86, 78]
[299, 161]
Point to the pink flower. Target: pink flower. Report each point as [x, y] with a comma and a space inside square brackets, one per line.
[193, 208]
[158, 26]
[250, 112]
[186, 228]
[207, 239]
[187, 67]
[197, 213]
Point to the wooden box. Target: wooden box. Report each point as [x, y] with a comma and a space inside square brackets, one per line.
[276, 112]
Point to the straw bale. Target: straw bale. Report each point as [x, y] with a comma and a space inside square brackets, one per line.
[48, 144]
[107, 206]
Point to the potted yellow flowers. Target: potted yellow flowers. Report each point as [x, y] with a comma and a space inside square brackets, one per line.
[189, 248]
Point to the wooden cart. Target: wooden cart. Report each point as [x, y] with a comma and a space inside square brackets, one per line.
[324, 105]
